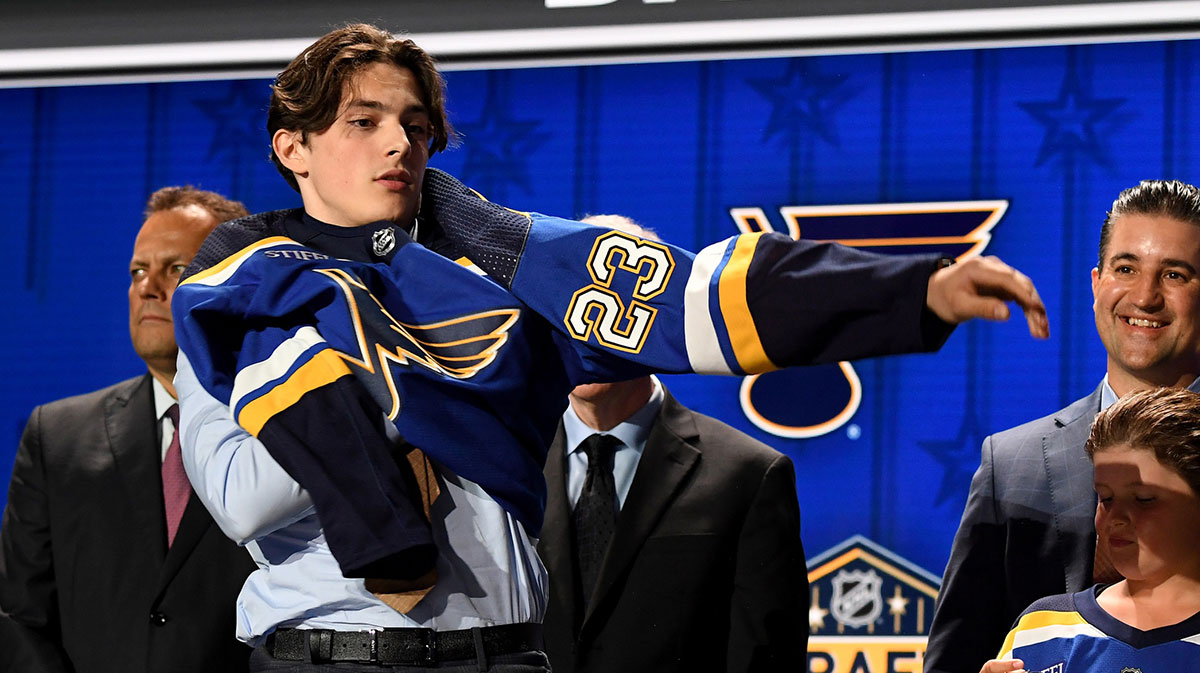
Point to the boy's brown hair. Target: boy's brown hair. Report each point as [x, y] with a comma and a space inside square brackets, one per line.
[1163, 420]
[306, 96]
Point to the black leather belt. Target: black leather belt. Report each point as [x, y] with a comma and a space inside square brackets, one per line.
[413, 647]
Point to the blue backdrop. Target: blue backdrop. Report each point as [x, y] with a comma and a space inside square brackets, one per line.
[1057, 132]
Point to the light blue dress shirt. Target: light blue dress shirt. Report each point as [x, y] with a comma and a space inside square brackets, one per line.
[1107, 395]
[488, 569]
[632, 432]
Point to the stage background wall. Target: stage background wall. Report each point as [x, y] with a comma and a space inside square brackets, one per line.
[1056, 131]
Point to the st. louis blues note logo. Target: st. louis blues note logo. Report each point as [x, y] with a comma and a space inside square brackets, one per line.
[457, 348]
[360, 336]
[813, 401]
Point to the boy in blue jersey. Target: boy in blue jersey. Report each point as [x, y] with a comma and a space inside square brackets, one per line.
[1146, 452]
[398, 308]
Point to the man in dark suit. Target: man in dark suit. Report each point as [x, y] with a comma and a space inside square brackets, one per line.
[1028, 529]
[101, 569]
[703, 569]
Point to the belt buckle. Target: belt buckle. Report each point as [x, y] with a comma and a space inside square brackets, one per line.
[430, 648]
[373, 647]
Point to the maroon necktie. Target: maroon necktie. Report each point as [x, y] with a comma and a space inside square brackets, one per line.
[176, 487]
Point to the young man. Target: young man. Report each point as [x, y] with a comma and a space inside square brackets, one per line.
[337, 345]
[101, 567]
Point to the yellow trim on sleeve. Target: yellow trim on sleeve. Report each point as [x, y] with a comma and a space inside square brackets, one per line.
[1038, 620]
[735, 308]
[325, 367]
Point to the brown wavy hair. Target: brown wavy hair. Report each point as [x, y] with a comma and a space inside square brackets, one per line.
[306, 96]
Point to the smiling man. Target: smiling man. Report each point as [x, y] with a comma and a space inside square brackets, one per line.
[1028, 530]
[1147, 296]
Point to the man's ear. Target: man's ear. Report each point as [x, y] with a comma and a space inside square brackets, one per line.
[289, 147]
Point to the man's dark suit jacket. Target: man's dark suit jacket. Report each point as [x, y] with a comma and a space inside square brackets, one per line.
[86, 580]
[705, 571]
[1028, 531]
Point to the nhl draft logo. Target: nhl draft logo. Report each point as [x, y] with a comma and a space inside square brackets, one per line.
[952, 229]
[1127, 669]
[383, 241]
[869, 610]
[857, 597]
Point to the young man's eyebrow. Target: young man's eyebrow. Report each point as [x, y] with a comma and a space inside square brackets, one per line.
[361, 103]
[364, 104]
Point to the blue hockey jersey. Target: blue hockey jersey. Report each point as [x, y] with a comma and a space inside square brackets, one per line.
[475, 368]
[1071, 633]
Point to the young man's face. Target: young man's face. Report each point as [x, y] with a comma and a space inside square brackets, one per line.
[1148, 515]
[1147, 302]
[369, 164]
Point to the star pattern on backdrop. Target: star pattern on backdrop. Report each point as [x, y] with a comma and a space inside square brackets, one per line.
[803, 102]
[957, 456]
[816, 616]
[898, 604]
[1071, 121]
[239, 120]
[498, 147]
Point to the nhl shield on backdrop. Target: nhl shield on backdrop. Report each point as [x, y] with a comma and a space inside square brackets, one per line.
[869, 610]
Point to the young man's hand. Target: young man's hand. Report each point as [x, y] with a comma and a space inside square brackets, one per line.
[980, 287]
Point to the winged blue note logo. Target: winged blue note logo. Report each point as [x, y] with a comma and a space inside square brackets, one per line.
[813, 401]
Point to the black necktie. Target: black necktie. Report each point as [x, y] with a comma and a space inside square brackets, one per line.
[595, 515]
